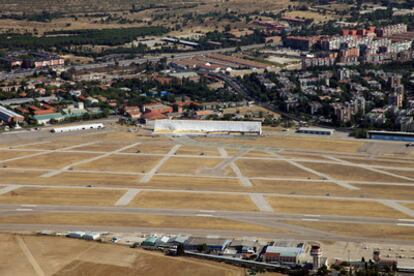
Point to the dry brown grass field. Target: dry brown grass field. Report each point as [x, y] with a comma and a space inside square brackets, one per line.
[297, 187]
[385, 163]
[53, 160]
[194, 150]
[272, 168]
[69, 257]
[194, 183]
[49, 196]
[200, 201]
[122, 163]
[295, 142]
[352, 173]
[155, 148]
[4, 155]
[193, 166]
[332, 207]
[134, 220]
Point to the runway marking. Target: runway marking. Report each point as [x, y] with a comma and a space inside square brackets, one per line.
[81, 162]
[207, 211]
[309, 215]
[397, 206]
[126, 198]
[147, 177]
[407, 220]
[46, 152]
[405, 224]
[39, 271]
[261, 202]
[9, 188]
[24, 210]
[308, 219]
[29, 205]
[204, 215]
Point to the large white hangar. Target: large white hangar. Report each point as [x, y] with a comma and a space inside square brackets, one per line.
[207, 127]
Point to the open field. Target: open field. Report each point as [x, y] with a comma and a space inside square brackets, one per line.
[317, 17]
[376, 231]
[63, 256]
[409, 205]
[193, 150]
[332, 207]
[187, 184]
[201, 201]
[61, 196]
[120, 163]
[12, 154]
[297, 187]
[155, 148]
[385, 163]
[272, 168]
[403, 173]
[293, 142]
[193, 166]
[351, 173]
[53, 160]
[194, 183]
[134, 220]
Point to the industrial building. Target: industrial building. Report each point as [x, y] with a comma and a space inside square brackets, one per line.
[207, 127]
[281, 254]
[391, 135]
[76, 128]
[9, 116]
[315, 131]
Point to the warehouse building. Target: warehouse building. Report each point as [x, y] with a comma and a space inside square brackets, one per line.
[9, 116]
[285, 255]
[391, 135]
[315, 131]
[207, 127]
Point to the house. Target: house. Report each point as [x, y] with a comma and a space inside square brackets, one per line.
[156, 111]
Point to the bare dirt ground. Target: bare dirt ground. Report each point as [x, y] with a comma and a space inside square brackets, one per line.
[63, 256]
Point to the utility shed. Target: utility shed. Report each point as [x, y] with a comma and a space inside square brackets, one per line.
[206, 127]
[212, 244]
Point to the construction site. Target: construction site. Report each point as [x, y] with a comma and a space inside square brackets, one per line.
[278, 185]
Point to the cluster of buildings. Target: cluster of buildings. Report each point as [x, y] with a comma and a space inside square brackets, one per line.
[26, 59]
[356, 46]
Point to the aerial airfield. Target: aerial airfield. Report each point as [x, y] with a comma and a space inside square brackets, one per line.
[276, 185]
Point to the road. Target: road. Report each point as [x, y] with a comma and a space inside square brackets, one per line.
[126, 62]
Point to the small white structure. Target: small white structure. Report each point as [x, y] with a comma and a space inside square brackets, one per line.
[316, 131]
[91, 236]
[206, 127]
[77, 128]
[75, 234]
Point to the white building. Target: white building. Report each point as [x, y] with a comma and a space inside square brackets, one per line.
[206, 127]
[77, 128]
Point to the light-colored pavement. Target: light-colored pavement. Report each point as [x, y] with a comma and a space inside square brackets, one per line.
[36, 267]
[261, 202]
[397, 206]
[147, 177]
[89, 160]
[8, 189]
[127, 197]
